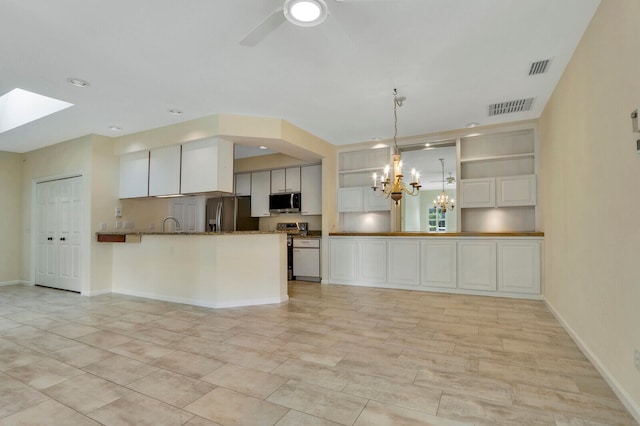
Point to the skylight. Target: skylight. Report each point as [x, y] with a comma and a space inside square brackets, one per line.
[19, 107]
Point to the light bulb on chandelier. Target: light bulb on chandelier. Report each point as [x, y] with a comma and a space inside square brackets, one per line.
[393, 186]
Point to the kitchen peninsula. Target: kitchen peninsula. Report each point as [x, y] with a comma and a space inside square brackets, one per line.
[217, 270]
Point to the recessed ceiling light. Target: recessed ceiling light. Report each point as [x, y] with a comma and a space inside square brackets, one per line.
[472, 124]
[115, 128]
[175, 111]
[78, 82]
[427, 144]
[19, 107]
[305, 13]
[263, 147]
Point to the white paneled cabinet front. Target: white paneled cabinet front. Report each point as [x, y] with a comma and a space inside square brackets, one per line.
[134, 175]
[164, 170]
[350, 199]
[375, 202]
[516, 191]
[477, 265]
[404, 258]
[285, 180]
[207, 165]
[260, 189]
[478, 193]
[344, 260]
[519, 267]
[243, 184]
[373, 261]
[311, 190]
[438, 264]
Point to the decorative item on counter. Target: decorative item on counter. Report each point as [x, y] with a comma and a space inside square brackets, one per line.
[394, 189]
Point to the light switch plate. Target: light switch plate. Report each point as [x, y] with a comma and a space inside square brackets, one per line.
[118, 211]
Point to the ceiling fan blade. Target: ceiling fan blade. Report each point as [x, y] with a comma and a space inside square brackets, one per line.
[265, 28]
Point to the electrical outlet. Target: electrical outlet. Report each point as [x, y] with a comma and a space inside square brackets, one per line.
[636, 358]
[118, 224]
[103, 226]
[151, 226]
[128, 225]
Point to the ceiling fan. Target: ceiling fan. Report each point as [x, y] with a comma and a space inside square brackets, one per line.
[448, 180]
[303, 13]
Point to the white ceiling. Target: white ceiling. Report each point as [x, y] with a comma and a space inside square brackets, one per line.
[450, 58]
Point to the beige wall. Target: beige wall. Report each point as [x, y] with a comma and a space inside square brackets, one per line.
[92, 157]
[11, 218]
[590, 199]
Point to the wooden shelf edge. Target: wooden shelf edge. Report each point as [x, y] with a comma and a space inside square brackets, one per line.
[497, 157]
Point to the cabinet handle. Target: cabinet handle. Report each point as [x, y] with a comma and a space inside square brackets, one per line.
[50, 239]
[63, 239]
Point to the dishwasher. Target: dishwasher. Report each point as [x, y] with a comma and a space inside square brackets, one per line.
[306, 259]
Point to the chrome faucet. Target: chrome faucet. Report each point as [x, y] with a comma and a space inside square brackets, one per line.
[172, 218]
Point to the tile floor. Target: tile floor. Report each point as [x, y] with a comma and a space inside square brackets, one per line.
[331, 355]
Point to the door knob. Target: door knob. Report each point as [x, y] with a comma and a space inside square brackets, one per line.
[50, 239]
[63, 239]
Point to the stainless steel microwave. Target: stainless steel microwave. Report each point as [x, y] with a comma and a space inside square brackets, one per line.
[284, 203]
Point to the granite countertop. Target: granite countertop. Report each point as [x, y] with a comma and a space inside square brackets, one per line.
[184, 233]
[436, 234]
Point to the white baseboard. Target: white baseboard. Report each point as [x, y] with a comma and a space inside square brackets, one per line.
[625, 398]
[96, 293]
[206, 304]
[4, 283]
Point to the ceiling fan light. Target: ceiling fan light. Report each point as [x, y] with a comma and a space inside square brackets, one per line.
[305, 13]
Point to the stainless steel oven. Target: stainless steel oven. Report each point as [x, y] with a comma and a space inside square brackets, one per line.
[291, 228]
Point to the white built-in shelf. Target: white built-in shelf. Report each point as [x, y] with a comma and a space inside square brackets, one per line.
[497, 157]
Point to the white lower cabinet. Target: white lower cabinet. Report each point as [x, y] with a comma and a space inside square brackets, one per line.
[477, 265]
[344, 260]
[373, 261]
[438, 264]
[492, 266]
[404, 257]
[519, 267]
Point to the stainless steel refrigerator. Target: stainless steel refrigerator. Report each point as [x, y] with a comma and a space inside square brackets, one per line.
[227, 214]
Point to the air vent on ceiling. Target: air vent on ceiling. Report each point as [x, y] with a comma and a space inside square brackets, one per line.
[510, 106]
[539, 67]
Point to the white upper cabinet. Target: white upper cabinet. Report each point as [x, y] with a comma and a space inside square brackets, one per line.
[285, 180]
[311, 190]
[479, 192]
[260, 188]
[243, 184]
[164, 171]
[374, 201]
[207, 165]
[134, 175]
[350, 199]
[516, 190]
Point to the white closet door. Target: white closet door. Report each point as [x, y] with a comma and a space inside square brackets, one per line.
[59, 234]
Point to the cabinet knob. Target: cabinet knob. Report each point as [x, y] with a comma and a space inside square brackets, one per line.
[63, 239]
[50, 239]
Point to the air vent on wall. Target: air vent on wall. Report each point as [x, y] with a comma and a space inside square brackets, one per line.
[539, 67]
[510, 106]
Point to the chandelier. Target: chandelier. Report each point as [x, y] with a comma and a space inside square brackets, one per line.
[442, 202]
[394, 189]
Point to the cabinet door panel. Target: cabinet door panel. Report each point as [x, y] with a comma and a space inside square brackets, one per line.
[516, 190]
[478, 193]
[292, 179]
[311, 190]
[438, 264]
[374, 202]
[278, 181]
[404, 264]
[164, 171]
[477, 265]
[373, 261]
[207, 165]
[344, 260]
[243, 184]
[519, 267]
[350, 199]
[134, 175]
[260, 189]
